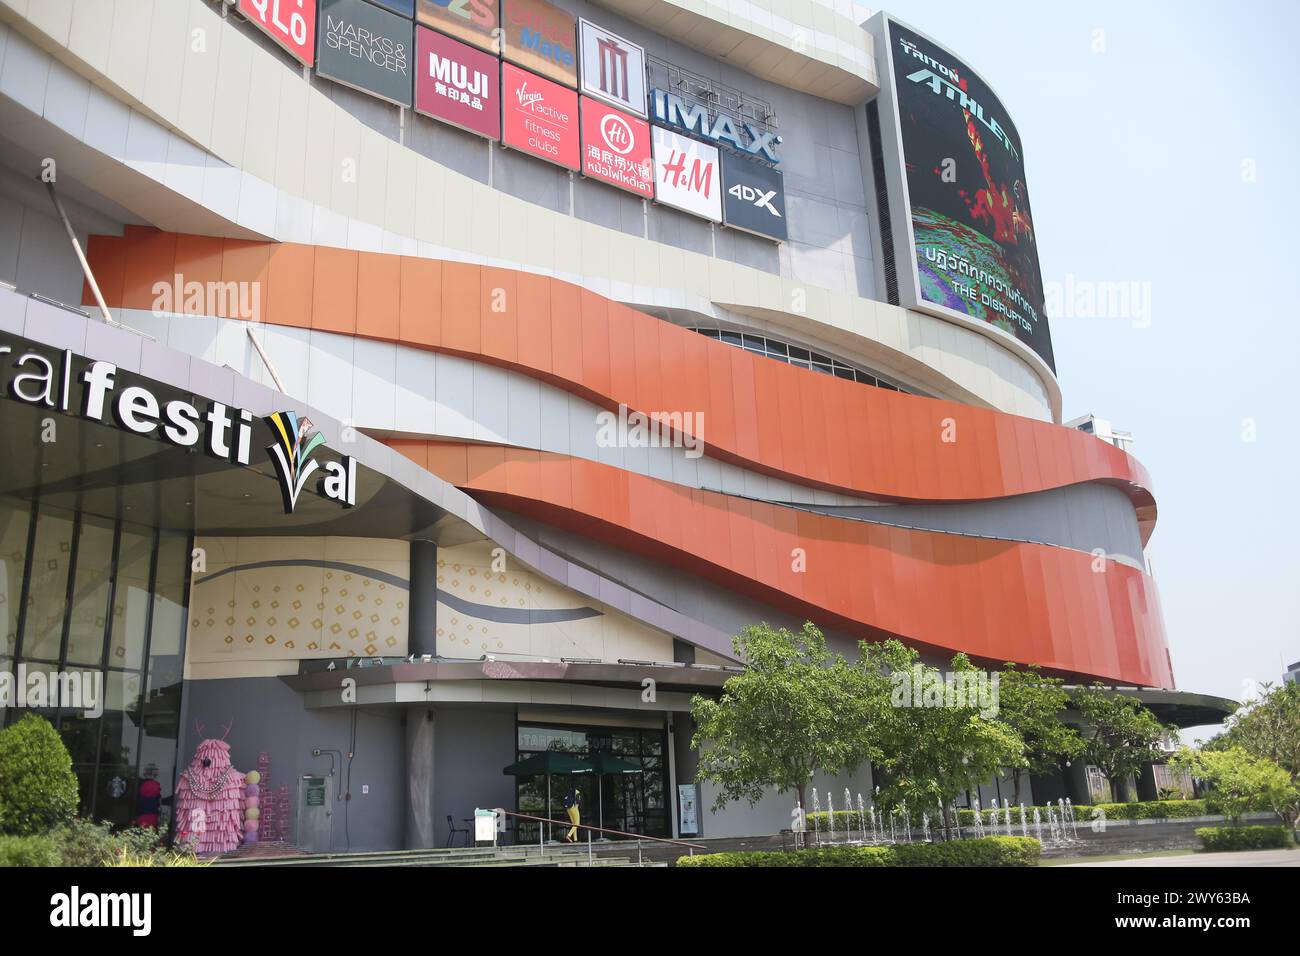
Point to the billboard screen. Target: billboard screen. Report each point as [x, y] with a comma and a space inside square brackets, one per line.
[473, 21]
[290, 23]
[753, 196]
[688, 174]
[365, 47]
[540, 37]
[539, 117]
[616, 148]
[456, 83]
[973, 233]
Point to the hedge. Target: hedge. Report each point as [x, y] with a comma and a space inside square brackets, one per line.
[1156, 810]
[28, 851]
[1219, 839]
[988, 851]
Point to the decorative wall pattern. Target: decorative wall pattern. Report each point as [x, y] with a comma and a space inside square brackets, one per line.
[283, 611]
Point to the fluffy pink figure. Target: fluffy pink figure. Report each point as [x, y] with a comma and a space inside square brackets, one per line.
[210, 801]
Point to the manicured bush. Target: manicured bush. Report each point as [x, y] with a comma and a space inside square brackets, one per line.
[988, 851]
[28, 851]
[84, 842]
[1219, 839]
[38, 790]
[1155, 810]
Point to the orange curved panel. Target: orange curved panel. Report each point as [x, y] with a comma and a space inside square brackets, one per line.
[769, 417]
[993, 600]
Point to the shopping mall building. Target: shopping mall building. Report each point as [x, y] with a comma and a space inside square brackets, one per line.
[449, 381]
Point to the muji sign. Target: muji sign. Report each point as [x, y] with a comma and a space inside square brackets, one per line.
[456, 83]
[290, 23]
[616, 148]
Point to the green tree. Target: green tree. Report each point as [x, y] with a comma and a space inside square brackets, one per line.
[38, 790]
[933, 745]
[1120, 735]
[1243, 782]
[796, 709]
[1030, 705]
[1268, 727]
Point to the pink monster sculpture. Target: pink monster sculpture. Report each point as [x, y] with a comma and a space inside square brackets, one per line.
[210, 800]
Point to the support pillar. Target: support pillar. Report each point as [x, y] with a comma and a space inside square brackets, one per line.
[422, 631]
[418, 829]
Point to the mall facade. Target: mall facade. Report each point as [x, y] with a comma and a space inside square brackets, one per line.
[448, 383]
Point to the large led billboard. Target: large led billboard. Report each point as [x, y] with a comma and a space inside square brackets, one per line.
[961, 208]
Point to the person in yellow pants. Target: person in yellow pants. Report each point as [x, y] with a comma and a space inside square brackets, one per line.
[572, 803]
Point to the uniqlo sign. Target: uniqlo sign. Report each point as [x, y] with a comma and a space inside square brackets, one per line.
[616, 148]
[290, 23]
[688, 174]
[457, 84]
[539, 117]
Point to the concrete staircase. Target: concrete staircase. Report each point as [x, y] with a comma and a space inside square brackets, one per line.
[512, 856]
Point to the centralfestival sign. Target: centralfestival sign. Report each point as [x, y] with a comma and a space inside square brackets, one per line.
[613, 69]
[290, 23]
[688, 174]
[101, 392]
[366, 48]
[456, 83]
[539, 117]
[753, 197]
[616, 148]
[472, 21]
[540, 37]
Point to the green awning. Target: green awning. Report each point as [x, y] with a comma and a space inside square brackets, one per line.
[603, 763]
[548, 762]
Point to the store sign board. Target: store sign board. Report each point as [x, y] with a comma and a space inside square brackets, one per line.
[540, 37]
[688, 174]
[613, 69]
[471, 21]
[753, 197]
[290, 23]
[694, 118]
[366, 48]
[456, 83]
[539, 117]
[616, 148]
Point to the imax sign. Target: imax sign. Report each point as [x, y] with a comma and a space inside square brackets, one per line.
[671, 110]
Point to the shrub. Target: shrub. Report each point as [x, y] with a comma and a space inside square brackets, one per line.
[1155, 810]
[1219, 839]
[988, 851]
[28, 851]
[38, 790]
[84, 842]
[159, 858]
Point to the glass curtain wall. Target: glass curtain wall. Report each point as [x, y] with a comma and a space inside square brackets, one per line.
[105, 600]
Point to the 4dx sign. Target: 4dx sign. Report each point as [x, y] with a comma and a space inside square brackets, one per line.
[755, 197]
[290, 23]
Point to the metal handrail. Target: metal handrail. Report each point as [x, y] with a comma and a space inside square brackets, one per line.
[567, 824]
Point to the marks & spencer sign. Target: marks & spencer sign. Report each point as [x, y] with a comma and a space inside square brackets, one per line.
[365, 47]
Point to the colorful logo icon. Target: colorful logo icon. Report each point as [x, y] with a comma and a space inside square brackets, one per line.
[295, 440]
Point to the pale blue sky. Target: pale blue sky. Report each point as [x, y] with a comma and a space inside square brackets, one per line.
[1135, 170]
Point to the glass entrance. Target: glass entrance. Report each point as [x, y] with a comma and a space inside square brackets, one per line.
[631, 802]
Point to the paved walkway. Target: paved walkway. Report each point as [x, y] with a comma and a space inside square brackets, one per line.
[1240, 858]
